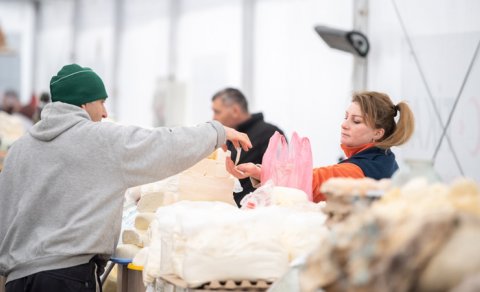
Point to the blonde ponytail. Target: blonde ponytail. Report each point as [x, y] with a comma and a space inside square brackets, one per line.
[403, 129]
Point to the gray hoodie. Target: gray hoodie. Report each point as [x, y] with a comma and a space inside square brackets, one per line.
[62, 186]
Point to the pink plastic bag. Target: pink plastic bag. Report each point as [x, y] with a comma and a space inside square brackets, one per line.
[288, 165]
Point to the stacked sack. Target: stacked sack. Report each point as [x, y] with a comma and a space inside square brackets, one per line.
[206, 241]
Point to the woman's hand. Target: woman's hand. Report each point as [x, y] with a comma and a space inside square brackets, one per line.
[238, 139]
[243, 170]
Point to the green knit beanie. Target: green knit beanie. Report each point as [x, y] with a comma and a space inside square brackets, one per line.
[76, 85]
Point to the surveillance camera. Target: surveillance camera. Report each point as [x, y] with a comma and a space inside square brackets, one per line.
[353, 42]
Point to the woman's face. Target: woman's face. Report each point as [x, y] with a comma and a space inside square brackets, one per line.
[355, 131]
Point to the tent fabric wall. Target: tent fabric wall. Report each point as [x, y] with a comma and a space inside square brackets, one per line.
[425, 52]
[163, 60]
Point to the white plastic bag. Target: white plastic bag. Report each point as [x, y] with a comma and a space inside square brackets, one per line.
[261, 197]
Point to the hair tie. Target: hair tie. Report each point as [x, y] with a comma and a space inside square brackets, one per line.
[396, 109]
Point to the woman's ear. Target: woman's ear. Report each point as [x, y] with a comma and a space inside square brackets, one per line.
[378, 134]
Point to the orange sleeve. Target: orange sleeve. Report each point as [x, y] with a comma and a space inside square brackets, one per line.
[322, 174]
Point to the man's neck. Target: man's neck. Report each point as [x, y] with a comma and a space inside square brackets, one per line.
[242, 119]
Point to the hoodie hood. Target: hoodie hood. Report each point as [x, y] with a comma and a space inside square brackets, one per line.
[56, 118]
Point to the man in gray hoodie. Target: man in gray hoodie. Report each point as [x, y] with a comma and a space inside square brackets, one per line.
[62, 186]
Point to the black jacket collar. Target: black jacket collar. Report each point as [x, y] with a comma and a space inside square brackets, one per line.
[243, 127]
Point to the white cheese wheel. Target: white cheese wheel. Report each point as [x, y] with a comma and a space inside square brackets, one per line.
[150, 202]
[126, 251]
[133, 194]
[136, 237]
[142, 220]
[284, 196]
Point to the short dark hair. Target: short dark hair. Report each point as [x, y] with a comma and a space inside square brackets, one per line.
[11, 93]
[232, 95]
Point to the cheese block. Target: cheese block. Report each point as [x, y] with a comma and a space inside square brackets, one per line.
[150, 202]
[133, 194]
[206, 188]
[209, 167]
[126, 251]
[170, 197]
[207, 180]
[142, 220]
[136, 237]
[219, 155]
[284, 196]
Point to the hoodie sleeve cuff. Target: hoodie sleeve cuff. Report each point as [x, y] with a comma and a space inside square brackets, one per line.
[221, 136]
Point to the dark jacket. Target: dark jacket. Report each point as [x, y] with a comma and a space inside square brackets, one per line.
[259, 133]
[375, 162]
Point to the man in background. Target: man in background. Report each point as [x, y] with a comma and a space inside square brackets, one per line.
[12, 105]
[230, 107]
[11, 102]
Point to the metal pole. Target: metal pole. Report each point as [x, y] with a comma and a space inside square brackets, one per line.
[360, 65]
[248, 30]
[75, 29]
[172, 40]
[117, 42]
[35, 44]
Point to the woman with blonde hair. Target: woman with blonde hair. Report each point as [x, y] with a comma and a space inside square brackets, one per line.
[370, 129]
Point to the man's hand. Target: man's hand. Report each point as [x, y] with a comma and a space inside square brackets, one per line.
[243, 170]
[238, 139]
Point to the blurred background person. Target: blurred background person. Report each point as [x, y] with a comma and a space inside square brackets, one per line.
[12, 105]
[10, 102]
[44, 100]
[12, 124]
[230, 107]
[29, 110]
